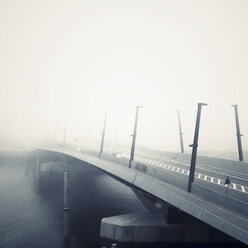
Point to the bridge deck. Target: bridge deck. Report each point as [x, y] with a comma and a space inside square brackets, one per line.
[227, 221]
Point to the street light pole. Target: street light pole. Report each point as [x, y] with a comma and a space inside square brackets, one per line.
[194, 146]
[238, 132]
[180, 131]
[55, 128]
[48, 130]
[103, 134]
[134, 136]
[66, 121]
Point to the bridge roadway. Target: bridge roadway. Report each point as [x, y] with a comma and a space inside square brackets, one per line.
[166, 179]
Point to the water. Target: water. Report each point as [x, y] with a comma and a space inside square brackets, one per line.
[31, 209]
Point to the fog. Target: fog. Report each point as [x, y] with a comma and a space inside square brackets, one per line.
[80, 58]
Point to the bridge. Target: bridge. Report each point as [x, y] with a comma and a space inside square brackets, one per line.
[160, 181]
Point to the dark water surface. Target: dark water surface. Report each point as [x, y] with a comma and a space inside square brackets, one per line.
[31, 208]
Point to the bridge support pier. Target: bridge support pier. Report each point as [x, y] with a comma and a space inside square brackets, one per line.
[160, 223]
[66, 211]
[27, 169]
[171, 214]
[38, 168]
[140, 227]
[152, 227]
[152, 204]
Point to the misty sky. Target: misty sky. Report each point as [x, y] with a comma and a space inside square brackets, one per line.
[82, 57]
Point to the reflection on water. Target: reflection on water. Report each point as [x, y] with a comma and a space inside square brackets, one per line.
[26, 218]
[31, 209]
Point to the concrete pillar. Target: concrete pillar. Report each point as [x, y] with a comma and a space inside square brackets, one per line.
[171, 214]
[149, 202]
[26, 164]
[141, 227]
[37, 168]
[66, 211]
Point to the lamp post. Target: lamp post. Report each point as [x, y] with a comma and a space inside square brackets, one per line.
[194, 146]
[238, 132]
[134, 135]
[55, 128]
[65, 130]
[103, 134]
[180, 131]
[48, 130]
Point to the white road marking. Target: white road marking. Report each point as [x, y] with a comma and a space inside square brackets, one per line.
[243, 188]
[183, 171]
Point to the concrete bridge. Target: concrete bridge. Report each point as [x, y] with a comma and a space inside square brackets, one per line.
[212, 209]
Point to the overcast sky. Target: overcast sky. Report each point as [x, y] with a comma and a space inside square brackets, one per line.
[82, 57]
